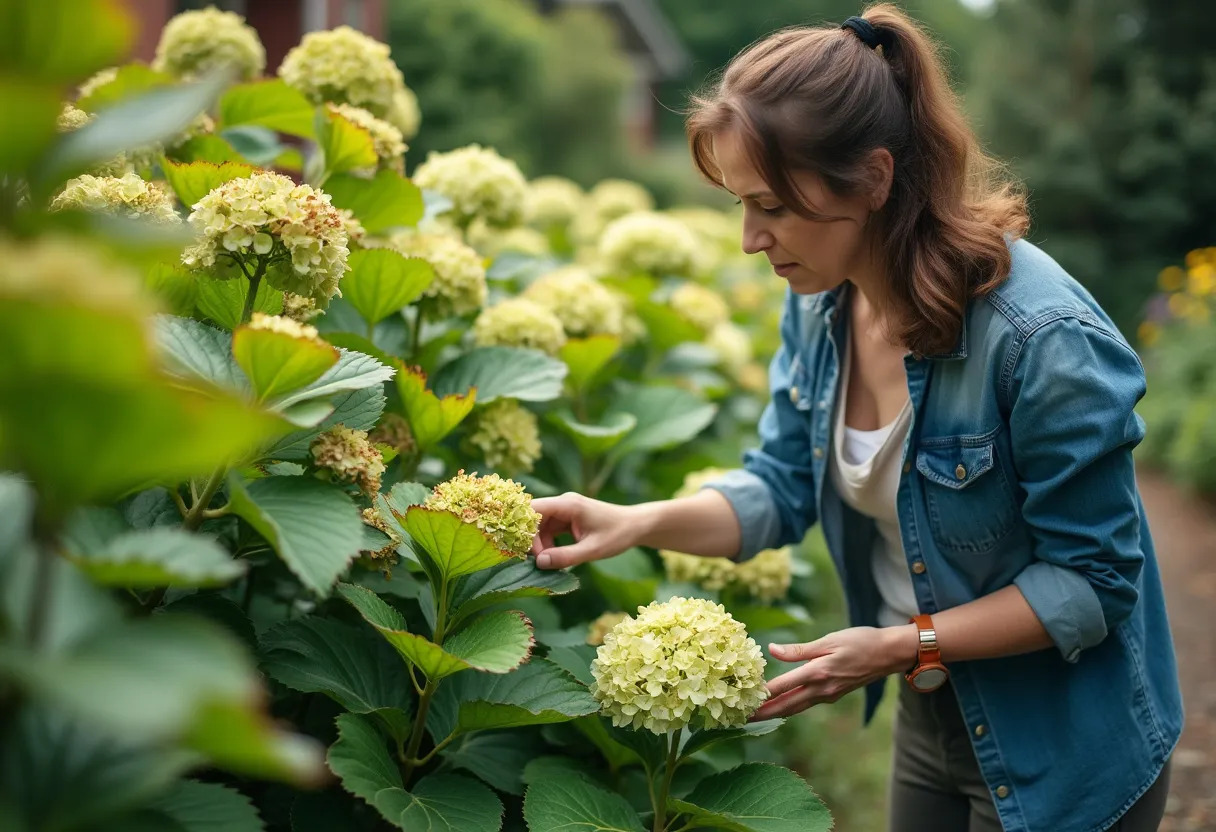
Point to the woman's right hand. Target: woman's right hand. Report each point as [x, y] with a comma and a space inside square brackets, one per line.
[600, 530]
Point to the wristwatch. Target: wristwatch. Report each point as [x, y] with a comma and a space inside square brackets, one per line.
[929, 674]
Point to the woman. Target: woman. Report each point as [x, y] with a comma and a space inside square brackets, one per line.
[956, 412]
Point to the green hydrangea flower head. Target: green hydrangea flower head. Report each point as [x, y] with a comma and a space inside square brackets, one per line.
[648, 242]
[603, 625]
[294, 228]
[387, 139]
[459, 286]
[499, 507]
[285, 325]
[345, 66]
[349, 457]
[609, 200]
[716, 234]
[479, 182]
[679, 663]
[128, 196]
[299, 308]
[195, 42]
[507, 435]
[582, 304]
[374, 518]
[73, 118]
[700, 306]
[553, 201]
[519, 322]
[733, 346]
[492, 241]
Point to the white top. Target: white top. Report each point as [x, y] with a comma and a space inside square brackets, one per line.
[865, 468]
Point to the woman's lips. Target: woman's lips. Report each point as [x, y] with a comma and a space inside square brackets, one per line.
[785, 269]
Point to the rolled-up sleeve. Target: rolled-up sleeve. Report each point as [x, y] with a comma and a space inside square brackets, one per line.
[1073, 429]
[773, 494]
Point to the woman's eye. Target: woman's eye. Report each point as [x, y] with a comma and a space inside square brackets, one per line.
[773, 212]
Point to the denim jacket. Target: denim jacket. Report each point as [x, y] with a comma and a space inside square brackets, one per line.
[1017, 470]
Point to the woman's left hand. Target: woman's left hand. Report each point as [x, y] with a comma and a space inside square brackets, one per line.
[836, 664]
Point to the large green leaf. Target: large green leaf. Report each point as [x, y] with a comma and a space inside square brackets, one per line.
[585, 357]
[43, 40]
[437, 803]
[129, 80]
[194, 350]
[346, 145]
[593, 441]
[223, 301]
[431, 417]
[666, 416]
[354, 371]
[502, 372]
[664, 326]
[277, 363]
[755, 797]
[453, 546]
[236, 738]
[512, 579]
[268, 103]
[572, 804]
[207, 148]
[497, 759]
[314, 526]
[701, 740]
[175, 285]
[160, 557]
[352, 666]
[194, 180]
[29, 110]
[191, 806]
[381, 281]
[387, 201]
[357, 410]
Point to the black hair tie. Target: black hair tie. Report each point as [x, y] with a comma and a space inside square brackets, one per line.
[865, 30]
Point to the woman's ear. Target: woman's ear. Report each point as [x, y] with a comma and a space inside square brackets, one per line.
[880, 167]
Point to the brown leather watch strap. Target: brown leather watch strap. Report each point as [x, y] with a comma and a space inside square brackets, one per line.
[927, 650]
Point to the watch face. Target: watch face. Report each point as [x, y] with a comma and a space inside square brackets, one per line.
[928, 679]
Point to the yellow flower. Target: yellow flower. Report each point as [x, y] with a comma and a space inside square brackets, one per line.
[459, 286]
[507, 435]
[126, 196]
[519, 322]
[195, 42]
[1171, 279]
[1148, 333]
[63, 271]
[349, 456]
[499, 507]
[479, 182]
[1201, 279]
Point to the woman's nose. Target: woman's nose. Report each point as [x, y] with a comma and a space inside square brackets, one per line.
[756, 240]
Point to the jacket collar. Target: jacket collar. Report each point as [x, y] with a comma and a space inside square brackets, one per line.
[827, 303]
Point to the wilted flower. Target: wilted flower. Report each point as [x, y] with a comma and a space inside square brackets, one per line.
[386, 139]
[373, 518]
[345, 66]
[732, 344]
[700, 306]
[507, 435]
[499, 507]
[601, 626]
[583, 304]
[299, 308]
[284, 326]
[394, 431]
[681, 662]
[519, 322]
[479, 182]
[350, 457]
[197, 41]
[294, 228]
[648, 242]
[459, 286]
[553, 201]
[126, 196]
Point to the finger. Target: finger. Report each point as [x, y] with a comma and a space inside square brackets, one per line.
[797, 678]
[798, 652]
[794, 702]
[563, 556]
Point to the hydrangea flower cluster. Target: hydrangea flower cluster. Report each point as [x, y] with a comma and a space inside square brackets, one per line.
[609, 200]
[491, 241]
[553, 201]
[195, 42]
[648, 242]
[765, 577]
[73, 118]
[285, 325]
[96, 81]
[350, 457]
[716, 236]
[682, 662]
[394, 431]
[500, 508]
[519, 322]
[266, 215]
[386, 138]
[459, 286]
[479, 182]
[733, 346]
[373, 518]
[299, 308]
[700, 306]
[583, 304]
[508, 436]
[126, 196]
[345, 66]
[64, 271]
[603, 625]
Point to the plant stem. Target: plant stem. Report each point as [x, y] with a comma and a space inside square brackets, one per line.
[254, 280]
[660, 806]
[411, 750]
[178, 501]
[195, 517]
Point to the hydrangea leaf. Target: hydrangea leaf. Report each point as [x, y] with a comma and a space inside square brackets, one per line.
[238, 739]
[354, 371]
[503, 372]
[498, 760]
[571, 804]
[45, 41]
[666, 416]
[207, 148]
[191, 806]
[277, 363]
[30, 110]
[223, 301]
[381, 281]
[192, 181]
[346, 145]
[431, 418]
[312, 525]
[665, 327]
[130, 79]
[455, 547]
[585, 357]
[269, 103]
[512, 579]
[260, 145]
[387, 201]
[695, 741]
[755, 797]
[159, 557]
[196, 351]
[308, 414]
[175, 285]
[628, 580]
[357, 410]
[593, 441]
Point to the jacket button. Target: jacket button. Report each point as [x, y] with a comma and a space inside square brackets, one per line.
[919, 567]
[980, 730]
[1002, 792]
[794, 395]
[960, 472]
[818, 452]
[907, 467]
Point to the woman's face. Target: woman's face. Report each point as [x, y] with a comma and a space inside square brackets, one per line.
[812, 255]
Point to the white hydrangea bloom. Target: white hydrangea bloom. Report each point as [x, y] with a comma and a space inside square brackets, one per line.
[553, 201]
[717, 236]
[682, 662]
[583, 304]
[648, 242]
[519, 322]
[96, 81]
[459, 286]
[501, 508]
[345, 66]
[479, 182]
[492, 241]
[507, 435]
[126, 196]
[295, 228]
[195, 42]
[285, 325]
[733, 346]
[387, 140]
[700, 306]
[609, 200]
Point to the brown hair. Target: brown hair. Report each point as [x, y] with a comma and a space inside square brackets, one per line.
[819, 99]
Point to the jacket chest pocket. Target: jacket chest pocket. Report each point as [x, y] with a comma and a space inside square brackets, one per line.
[969, 501]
